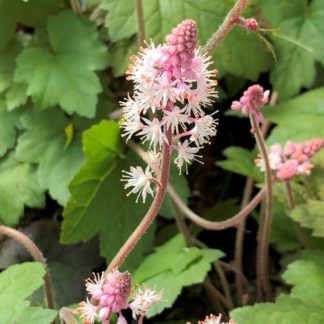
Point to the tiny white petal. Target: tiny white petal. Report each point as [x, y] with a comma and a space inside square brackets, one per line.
[139, 180]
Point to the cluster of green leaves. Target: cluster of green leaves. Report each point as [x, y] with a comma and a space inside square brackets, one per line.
[305, 302]
[16, 284]
[174, 266]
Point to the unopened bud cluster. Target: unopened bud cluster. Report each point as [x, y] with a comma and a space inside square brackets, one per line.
[110, 293]
[253, 99]
[292, 159]
[172, 84]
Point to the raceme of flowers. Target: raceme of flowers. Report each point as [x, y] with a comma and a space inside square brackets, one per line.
[253, 99]
[172, 84]
[212, 319]
[292, 159]
[110, 294]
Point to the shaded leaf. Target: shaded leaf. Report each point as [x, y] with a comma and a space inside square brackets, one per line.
[241, 53]
[8, 123]
[310, 215]
[172, 267]
[44, 142]
[241, 161]
[65, 75]
[298, 119]
[286, 309]
[98, 202]
[311, 266]
[298, 44]
[19, 187]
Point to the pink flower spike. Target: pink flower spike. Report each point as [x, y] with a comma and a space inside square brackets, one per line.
[253, 99]
[287, 170]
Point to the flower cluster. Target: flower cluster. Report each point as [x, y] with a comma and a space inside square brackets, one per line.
[172, 84]
[110, 293]
[292, 159]
[212, 319]
[253, 99]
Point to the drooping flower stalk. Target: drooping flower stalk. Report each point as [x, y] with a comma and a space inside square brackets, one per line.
[253, 99]
[265, 228]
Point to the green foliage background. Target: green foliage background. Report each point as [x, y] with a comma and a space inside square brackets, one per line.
[61, 76]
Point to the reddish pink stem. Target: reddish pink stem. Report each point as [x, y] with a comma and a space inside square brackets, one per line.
[138, 233]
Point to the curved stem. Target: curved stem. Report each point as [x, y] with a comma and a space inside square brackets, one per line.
[222, 277]
[229, 267]
[140, 22]
[131, 242]
[263, 251]
[226, 26]
[292, 204]
[216, 226]
[182, 226]
[36, 254]
[213, 291]
[239, 240]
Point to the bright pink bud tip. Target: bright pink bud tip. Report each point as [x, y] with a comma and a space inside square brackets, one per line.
[183, 38]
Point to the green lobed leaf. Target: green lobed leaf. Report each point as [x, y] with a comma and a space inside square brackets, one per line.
[19, 187]
[298, 119]
[310, 215]
[311, 266]
[286, 309]
[98, 202]
[16, 284]
[65, 75]
[241, 53]
[241, 161]
[298, 43]
[174, 266]
[46, 143]
[8, 123]
[8, 55]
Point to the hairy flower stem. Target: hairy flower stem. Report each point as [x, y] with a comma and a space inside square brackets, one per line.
[264, 237]
[239, 240]
[140, 22]
[227, 25]
[38, 257]
[292, 204]
[138, 233]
